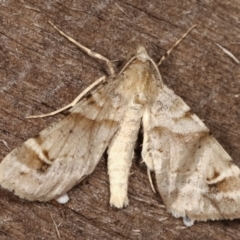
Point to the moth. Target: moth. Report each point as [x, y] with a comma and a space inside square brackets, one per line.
[195, 177]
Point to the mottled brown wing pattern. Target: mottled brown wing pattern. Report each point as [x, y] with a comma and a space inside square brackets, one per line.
[196, 178]
[47, 166]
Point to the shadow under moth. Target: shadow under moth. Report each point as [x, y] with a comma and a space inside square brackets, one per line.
[195, 177]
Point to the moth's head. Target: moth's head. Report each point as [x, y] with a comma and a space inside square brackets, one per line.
[141, 54]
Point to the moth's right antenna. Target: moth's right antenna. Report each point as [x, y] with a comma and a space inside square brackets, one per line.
[175, 45]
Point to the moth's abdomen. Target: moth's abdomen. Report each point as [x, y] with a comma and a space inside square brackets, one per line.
[120, 154]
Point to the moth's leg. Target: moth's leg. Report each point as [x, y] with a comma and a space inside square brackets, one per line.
[175, 45]
[120, 154]
[74, 102]
[5, 144]
[87, 50]
[228, 53]
[63, 199]
[147, 147]
[187, 221]
[150, 179]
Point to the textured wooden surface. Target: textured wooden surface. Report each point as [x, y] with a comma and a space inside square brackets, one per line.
[40, 71]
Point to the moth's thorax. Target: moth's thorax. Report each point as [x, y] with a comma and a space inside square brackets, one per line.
[139, 80]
